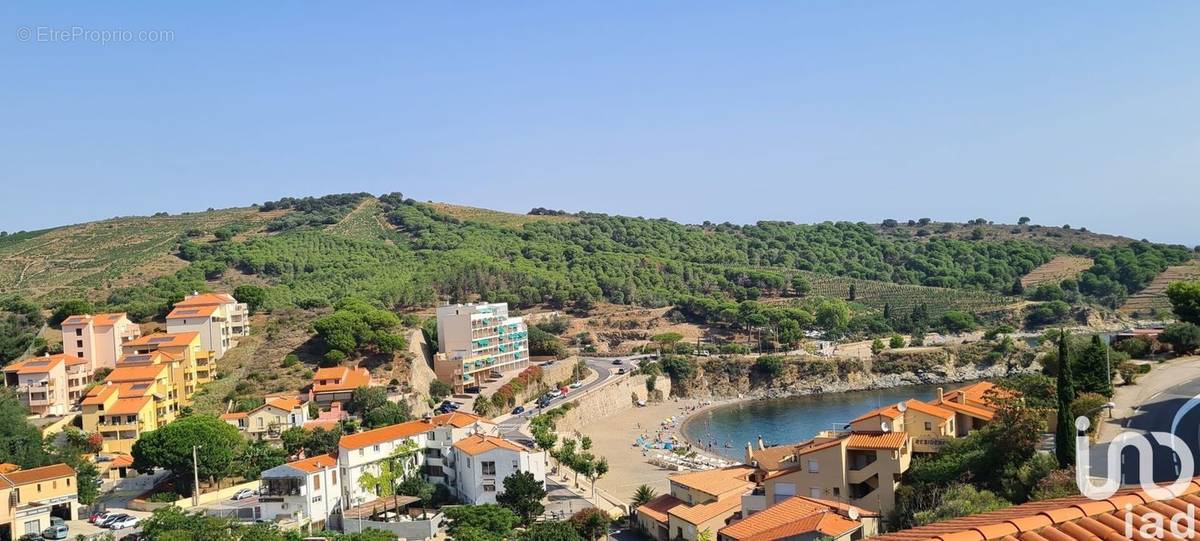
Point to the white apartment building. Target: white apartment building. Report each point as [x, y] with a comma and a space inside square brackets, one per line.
[98, 338]
[217, 317]
[478, 340]
[268, 421]
[481, 463]
[49, 385]
[301, 494]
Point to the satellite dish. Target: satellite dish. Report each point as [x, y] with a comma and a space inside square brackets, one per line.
[853, 513]
[884, 426]
[903, 407]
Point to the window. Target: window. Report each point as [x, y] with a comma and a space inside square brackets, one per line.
[433, 435]
[33, 526]
[333, 478]
[316, 482]
[489, 467]
[837, 492]
[489, 488]
[260, 422]
[928, 426]
[516, 465]
[79, 343]
[79, 354]
[814, 492]
[376, 449]
[78, 332]
[813, 466]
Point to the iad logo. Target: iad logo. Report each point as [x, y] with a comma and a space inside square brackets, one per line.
[1145, 459]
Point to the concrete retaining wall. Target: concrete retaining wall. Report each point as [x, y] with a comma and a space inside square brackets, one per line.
[609, 400]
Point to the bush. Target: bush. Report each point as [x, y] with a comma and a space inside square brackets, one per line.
[1137, 347]
[290, 360]
[1091, 404]
[164, 497]
[1183, 337]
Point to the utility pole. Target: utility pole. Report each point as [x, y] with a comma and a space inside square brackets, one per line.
[195, 478]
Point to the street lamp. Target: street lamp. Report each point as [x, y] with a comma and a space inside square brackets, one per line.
[195, 477]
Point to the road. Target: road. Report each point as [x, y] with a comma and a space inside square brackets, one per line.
[1158, 414]
[510, 428]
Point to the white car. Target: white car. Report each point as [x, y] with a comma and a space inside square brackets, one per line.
[243, 494]
[577, 385]
[122, 523]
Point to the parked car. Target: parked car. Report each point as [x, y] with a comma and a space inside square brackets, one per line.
[550, 395]
[617, 361]
[101, 515]
[518, 410]
[543, 402]
[135, 536]
[30, 537]
[620, 371]
[56, 531]
[126, 522]
[243, 494]
[106, 521]
[577, 385]
[562, 391]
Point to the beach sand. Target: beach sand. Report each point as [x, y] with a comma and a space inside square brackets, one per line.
[613, 438]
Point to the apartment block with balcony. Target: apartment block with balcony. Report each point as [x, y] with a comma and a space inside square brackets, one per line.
[481, 463]
[302, 494]
[697, 502]
[43, 384]
[29, 499]
[217, 318]
[189, 364]
[98, 338]
[337, 384]
[133, 399]
[478, 341]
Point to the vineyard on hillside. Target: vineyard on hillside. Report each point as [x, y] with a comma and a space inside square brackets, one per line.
[507, 220]
[903, 298]
[88, 259]
[1154, 299]
[364, 223]
[1056, 270]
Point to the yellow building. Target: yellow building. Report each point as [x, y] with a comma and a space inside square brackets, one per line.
[133, 399]
[28, 498]
[191, 365]
[697, 502]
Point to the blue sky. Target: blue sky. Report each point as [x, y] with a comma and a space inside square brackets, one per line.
[1079, 113]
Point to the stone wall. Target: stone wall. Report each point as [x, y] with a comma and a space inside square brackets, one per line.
[609, 400]
[421, 374]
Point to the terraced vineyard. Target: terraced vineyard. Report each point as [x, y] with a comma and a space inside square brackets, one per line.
[1056, 270]
[1147, 301]
[88, 259]
[506, 220]
[903, 298]
[365, 223]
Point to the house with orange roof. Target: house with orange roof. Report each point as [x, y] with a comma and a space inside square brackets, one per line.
[859, 467]
[189, 363]
[30, 498]
[337, 384]
[481, 463]
[218, 318]
[697, 501]
[302, 494]
[1130, 513]
[365, 452]
[98, 338]
[42, 383]
[447, 429]
[930, 426]
[133, 399]
[973, 405]
[268, 421]
[802, 518]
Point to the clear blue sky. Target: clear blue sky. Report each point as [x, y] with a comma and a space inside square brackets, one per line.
[1068, 112]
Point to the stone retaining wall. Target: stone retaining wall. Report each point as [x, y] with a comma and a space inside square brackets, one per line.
[609, 400]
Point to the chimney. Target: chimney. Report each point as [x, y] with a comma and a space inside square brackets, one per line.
[939, 394]
[962, 397]
[761, 446]
[749, 452]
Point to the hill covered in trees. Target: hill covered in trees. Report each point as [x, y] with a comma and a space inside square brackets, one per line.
[399, 253]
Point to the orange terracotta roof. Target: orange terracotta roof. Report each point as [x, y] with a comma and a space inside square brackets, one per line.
[717, 481]
[458, 419]
[968, 409]
[154, 357]
[877, 440]
[8, 467]
[128, 406]
[917, 405]
[795, 516]
[164, 340]
[480, 443]
[35, 365]
[341, 379]
[234, 416]
[658, 508]
[771, 458]
[315, 464]
[887, 411]
[1063, 519]
[699, 514]
[181, 312]
[44, 473]
[135, 372]
[285, 404]
[205, 299]
[980, 393]
[387, 433]
[76, 361]
[121, 461]
[98, 394]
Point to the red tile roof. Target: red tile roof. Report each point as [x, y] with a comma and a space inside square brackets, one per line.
[181, 312]
[315, 464]
[479, 443]
[340, 378]
[128, 406]
[879, 440]
[44, 473]
[35, 365]
[794, 516]
[887, 411]
[968, 409]
[458, 419]
[917, 405]
[658, 508]
[717, 481]
[206, 299]
[164, 340]
[1074, 518]
[387, 433]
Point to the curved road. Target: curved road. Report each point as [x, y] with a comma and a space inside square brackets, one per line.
[1158, 415]
[510, 428]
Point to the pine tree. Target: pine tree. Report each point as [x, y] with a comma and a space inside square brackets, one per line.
[853, 292]
[1094, 376]
[1018, 288]
[1064, 435]
[887, 311]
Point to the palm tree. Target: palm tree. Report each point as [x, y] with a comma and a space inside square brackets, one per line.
[642, 496]
[704, 535]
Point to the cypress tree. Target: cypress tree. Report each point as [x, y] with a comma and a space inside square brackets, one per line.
[1018, 288]
[1064, 436]
[887, 311]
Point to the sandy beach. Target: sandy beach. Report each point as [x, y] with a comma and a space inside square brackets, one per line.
[614, 437]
